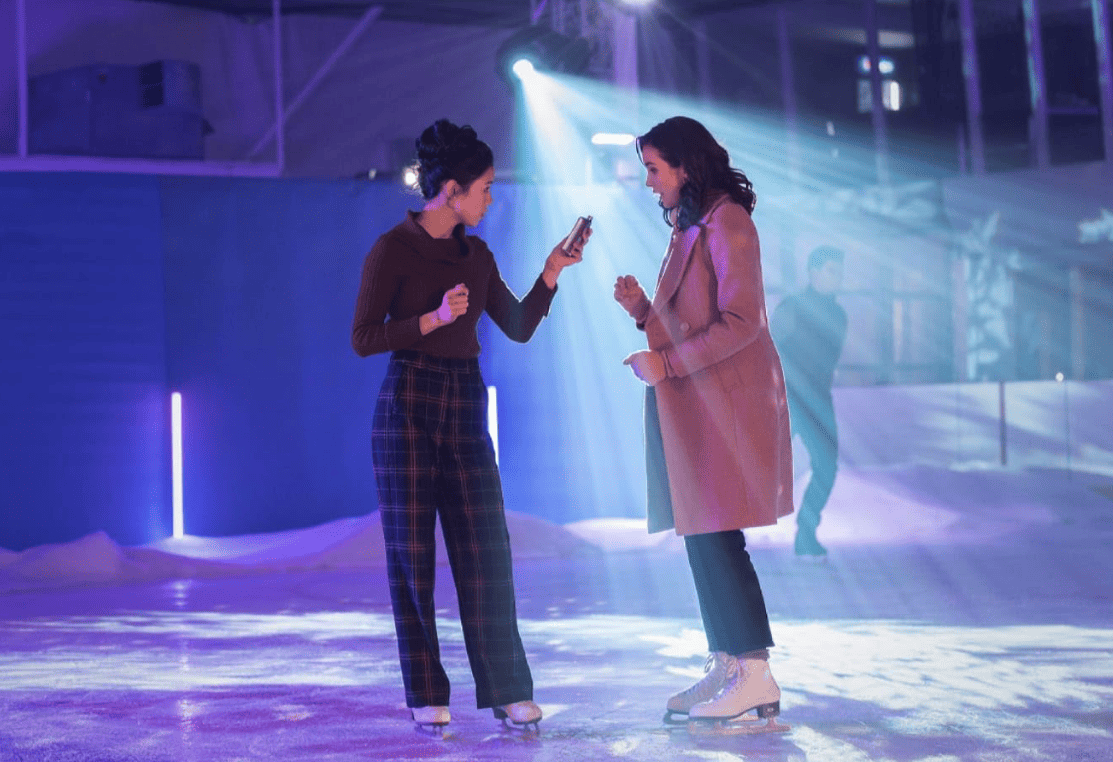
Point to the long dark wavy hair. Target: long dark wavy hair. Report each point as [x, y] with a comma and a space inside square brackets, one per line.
[446, 151]
[684, 142]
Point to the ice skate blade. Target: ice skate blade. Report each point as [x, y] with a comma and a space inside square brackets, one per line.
[433, 730]
[675, 718]
[743, 725]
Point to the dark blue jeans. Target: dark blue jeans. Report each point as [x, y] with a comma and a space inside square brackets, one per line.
[730, 599]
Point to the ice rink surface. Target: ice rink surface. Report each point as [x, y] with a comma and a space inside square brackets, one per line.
[962, 615]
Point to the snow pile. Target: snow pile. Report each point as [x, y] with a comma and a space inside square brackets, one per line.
[352, 543]
[899, 505]
[93, 557]
[96, 558]
[356, 543]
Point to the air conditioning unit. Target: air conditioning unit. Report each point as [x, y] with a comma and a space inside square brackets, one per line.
[151, 111]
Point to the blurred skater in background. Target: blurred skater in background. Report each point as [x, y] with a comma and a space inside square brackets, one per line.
[809, 328]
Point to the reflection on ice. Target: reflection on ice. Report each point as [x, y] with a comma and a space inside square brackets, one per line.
[900, 667]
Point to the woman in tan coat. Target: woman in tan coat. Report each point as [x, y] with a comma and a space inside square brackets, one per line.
[717, 429]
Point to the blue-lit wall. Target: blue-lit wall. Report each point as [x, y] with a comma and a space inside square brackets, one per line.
[118, 290]
[261, 278]
[83, 406]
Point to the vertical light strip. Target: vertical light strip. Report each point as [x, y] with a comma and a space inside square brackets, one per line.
[176, 461]
[493, 419]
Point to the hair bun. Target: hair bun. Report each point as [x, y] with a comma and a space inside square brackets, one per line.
[446, 151]
[443, 142]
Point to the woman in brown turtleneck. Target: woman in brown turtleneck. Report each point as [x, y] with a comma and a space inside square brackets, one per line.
[425, 285]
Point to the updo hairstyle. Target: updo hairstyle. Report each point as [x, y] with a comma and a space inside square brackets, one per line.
[446, 151]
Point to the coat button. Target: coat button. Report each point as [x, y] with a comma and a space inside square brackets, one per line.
[685, 327]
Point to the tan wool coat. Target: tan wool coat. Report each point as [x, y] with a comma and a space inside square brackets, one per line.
[723, 413]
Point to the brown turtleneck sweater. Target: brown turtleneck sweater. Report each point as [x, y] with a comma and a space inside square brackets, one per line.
[407, 274]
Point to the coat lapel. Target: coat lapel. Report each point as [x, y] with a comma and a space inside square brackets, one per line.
[680, 253]
[676, 262]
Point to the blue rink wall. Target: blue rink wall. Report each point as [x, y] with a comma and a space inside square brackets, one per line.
[117, 290]
[261, 277]
[83, 391]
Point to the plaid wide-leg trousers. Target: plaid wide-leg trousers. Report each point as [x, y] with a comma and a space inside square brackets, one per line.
[433, 456]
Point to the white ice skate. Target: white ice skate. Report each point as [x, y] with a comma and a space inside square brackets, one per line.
[522, 713]
[749, 696]
[716, 671]
[431, 719]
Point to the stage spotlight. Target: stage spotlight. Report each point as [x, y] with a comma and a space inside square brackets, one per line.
[544, 50]
[522, 68]
[409, 177]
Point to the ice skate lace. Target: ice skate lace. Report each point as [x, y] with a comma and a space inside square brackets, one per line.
[701, 685]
